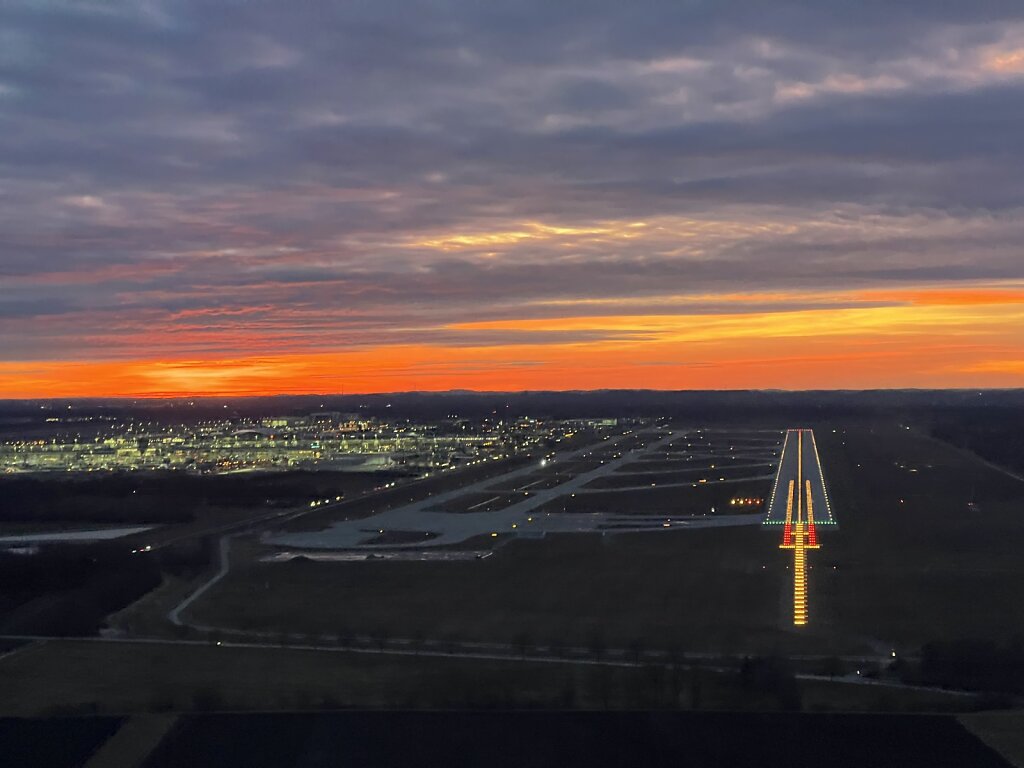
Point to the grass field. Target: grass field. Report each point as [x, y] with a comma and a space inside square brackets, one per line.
[694, 499]
[96, 677]
[595, 739]
[909, 563]
[54, 742]
[914, 562]
[405, 492]
[663, 589]
[128, 677]
[1003, 731]
[685, 475]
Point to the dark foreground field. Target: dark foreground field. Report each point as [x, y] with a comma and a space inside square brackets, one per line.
[929, 540]
[709, 589]
[75, 676]
[592, 739]
[291, 740]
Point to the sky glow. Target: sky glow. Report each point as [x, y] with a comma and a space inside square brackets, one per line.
[252, 198]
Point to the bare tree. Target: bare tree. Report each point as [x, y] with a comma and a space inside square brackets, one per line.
[636, 650]
[556, 648]
[381, 637]
[417, 642]
[522, 643]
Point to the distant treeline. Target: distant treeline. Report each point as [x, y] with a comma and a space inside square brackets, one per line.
[705, 406]
[995, 434]
[68, 590]
[109, 499]
[158, 498]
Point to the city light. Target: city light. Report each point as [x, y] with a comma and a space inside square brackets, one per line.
[324, 440]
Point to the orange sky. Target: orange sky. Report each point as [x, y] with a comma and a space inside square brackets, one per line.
[931, 337]
[207, 200]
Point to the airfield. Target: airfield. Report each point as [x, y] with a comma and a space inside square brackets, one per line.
[918, 545]
[707, 581]
[627, 481]
[622, 534]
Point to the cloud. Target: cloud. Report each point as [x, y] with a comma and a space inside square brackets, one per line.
[193, 179]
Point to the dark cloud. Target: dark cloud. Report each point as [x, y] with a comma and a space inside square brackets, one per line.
[406, 166]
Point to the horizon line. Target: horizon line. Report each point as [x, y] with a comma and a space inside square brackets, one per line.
[491, 392]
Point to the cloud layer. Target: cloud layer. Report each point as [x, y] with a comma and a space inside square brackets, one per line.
[259, 196]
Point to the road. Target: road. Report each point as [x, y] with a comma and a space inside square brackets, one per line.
[223, 566]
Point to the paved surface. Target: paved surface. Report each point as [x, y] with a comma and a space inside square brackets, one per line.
[225, 564]
[810, 469]
[428, 515]
[96, 534]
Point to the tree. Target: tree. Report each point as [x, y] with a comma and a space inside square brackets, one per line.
[654, 693]
[417, 642]
[774, 676]
[696, 687]
[522, 643]
[676, 655]
[452, 644]
[556, 648]
[601, 684]
[207, 700]
[381, 637]
[675, 683]
[567, 698]
[833, 667]
[636, 650]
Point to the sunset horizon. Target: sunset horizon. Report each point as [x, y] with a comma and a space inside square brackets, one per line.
[244, 201]
[873, 339]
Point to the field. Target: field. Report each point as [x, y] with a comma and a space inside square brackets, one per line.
[61, 677]
[178, 506]
[674, 475]
[663, 589]
[927, 548]
[694, 499]
[596, 739]
[501, 739]
[911, 562]
[1003, 731]
[404, 493]
[915, 562]
[57, 742]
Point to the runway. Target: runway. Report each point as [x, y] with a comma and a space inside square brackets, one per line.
[800, 504]
[801, 465]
